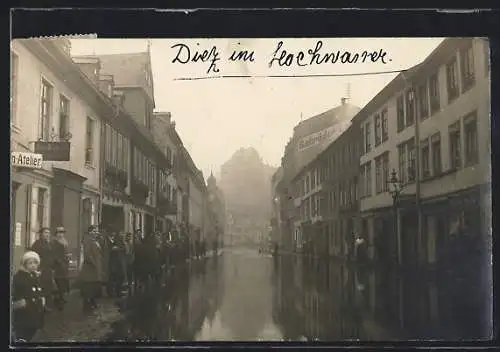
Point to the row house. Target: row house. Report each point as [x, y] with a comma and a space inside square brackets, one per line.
[165, 137]
[431, 125]
[194, 196]
[130, 159]
[57, 113]
[328, 195]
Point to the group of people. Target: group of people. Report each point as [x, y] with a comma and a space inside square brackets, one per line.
[120, 262]
[41, 284]
[111, 263]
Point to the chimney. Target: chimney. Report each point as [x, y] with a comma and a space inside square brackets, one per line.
[343, 100]
[106, 84]
[90, 65]
[164, 116]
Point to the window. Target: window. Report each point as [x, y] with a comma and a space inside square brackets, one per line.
[89, 142]
[107, 133]
[63, 117]
[452, 79]
[471, 147]
[378, 175]
[411, 150]
[385, 125]
[362, 182]
[45, 111]
[436, 154]
[423, 101]
[426, 171]
[434, 93]
[454, 133]
[467, 68]
[402, 162]
[114, 148]
[362, 139]
[40, 207]
[368, 178]
[382, 172]
[410, 107]
[378, 130]
[385, 171]
[400, 113]
[14, 64]
[119, 147]
[368, 146]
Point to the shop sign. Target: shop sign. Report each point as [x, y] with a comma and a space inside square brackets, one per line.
[53, 151]
[29, 160]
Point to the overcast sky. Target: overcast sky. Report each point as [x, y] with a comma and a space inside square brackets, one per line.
[215, 117]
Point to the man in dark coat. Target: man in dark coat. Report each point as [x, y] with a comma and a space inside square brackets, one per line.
[105, 245]
[91, 274]
[117, 264]
[43, 248]
[61, 267]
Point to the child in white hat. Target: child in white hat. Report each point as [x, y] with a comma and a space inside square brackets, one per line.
[27, 298]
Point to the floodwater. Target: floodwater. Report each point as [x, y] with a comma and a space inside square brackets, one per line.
[242, 295]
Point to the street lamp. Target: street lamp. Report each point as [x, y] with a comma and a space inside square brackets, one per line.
[395, 189]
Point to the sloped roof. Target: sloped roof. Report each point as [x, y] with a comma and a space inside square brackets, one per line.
[128, 70]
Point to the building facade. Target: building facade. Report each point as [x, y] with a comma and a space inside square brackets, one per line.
[61, 104]
[309, 139]
[327, 198]
[432, 126]
[165, 137]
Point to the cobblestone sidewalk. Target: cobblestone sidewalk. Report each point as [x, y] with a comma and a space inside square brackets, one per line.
[73, 324]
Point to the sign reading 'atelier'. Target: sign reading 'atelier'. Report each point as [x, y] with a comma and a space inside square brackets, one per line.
[29, 160]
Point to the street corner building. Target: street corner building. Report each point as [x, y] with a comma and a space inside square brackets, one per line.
[87, 148]
[403, 172]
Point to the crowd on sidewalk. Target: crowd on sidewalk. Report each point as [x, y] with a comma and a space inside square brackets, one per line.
[112, 264]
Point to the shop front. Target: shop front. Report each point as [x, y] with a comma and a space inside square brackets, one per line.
[66, 206]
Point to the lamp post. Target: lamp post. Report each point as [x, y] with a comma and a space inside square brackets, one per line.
[395, 189]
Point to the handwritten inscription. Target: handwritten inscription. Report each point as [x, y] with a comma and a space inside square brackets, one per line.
[281, 57]
[185, 55]
[316, 57]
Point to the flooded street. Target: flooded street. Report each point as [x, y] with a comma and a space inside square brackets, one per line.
[242, 295]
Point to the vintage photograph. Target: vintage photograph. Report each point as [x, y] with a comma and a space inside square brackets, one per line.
[263, 189]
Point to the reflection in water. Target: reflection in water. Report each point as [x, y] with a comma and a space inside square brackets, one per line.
[242, 295]
[330, 302]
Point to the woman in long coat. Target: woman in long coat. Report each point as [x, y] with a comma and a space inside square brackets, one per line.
[43, 248]
[61, 267]
[91, 273]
